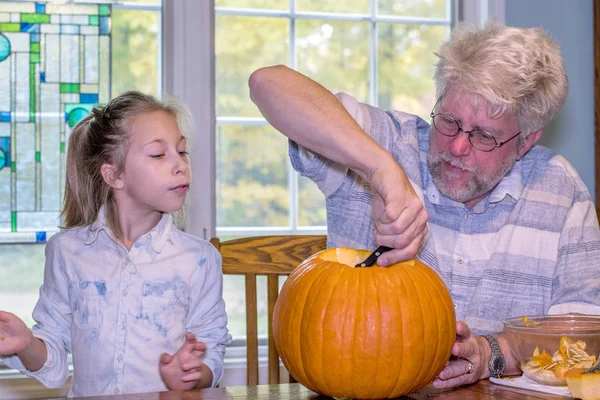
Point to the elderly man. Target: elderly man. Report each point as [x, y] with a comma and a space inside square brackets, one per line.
[509, 226]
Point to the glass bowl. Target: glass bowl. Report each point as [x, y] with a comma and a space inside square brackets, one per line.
[547, 346]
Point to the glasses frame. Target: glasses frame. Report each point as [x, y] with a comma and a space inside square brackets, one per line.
[469, 133]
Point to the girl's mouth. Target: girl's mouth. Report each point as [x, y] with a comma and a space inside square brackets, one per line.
[180, 188]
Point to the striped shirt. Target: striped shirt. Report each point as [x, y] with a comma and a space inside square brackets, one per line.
[532, 246]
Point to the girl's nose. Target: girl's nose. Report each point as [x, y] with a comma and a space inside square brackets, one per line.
[460, 145]
[181, 165]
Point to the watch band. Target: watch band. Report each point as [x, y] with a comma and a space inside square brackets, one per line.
[497, 362]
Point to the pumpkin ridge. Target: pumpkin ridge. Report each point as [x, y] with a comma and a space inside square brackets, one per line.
[399, 285]
[345, 277]
[314, 273]
[381, 338]
[322, 270]
[392, 283]
[354, 330]
[420, 274]
[340, 272]
[437, 333]
[411, 272]
[444, 321]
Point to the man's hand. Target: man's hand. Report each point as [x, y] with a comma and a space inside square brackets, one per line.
[15, 336]
[469, 362]
[399, 214]
[184, 370]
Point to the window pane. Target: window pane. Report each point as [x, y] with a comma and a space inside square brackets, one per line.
[240, 49]
[252, 177]
[335, 54]
[266, 4]
[311, 204]
[234, 294]
[406, 62]
[21, 276]
[135, 51]
[414, 8]
[336, 6]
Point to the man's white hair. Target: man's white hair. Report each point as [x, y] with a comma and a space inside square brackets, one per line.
[517, 71]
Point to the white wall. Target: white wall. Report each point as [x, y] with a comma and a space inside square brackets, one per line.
[570, 22]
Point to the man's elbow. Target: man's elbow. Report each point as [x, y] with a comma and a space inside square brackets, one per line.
[261, 77]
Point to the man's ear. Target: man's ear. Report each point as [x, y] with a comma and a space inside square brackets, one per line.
[109, 173]
[530, 140]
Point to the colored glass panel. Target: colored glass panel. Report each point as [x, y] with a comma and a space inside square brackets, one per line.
[69, 87]
[50, 89]
[35, 18]
[10, 27]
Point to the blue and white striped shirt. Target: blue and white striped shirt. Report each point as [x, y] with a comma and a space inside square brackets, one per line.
[532, 246]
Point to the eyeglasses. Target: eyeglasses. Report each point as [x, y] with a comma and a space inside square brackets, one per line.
[448, 126]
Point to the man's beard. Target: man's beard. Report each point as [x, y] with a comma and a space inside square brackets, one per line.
[478, 185]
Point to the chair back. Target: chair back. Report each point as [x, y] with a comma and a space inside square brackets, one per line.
[271, 256]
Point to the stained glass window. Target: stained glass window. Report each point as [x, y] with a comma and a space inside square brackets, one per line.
[54, 67]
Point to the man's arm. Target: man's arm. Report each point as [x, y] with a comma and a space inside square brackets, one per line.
[311, 116]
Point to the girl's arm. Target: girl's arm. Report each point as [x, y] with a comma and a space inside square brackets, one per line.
[43, 355]
[34, 356]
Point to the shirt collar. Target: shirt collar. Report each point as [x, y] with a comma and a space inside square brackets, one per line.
[511, 185]
[158, 236]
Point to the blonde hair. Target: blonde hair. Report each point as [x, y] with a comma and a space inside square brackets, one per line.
[517, 71]
[103, 137]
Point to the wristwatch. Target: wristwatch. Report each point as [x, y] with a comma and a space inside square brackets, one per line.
[497, 362]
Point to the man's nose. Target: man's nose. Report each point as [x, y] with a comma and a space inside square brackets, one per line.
[460, 146]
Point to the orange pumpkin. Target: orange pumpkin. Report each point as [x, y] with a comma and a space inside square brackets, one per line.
[363, 333]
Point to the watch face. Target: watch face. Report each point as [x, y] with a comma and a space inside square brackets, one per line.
[498, 364]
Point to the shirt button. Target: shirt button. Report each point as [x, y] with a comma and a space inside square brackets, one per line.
[125, 292]
[460, 260]
[117, 390]
[120, 358]
[123, 325]
[126, 262]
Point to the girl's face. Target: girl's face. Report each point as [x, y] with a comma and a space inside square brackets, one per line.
[156, 176]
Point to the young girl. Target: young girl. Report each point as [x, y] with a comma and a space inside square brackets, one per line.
[124, 290]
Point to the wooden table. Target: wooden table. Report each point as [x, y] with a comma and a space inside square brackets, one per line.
[483, 390]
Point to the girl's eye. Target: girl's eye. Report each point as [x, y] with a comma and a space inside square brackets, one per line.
[183, 153]
[156, 155]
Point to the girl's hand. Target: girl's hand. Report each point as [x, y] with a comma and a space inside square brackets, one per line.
[15, 336]
[183, 370]
[470, 360]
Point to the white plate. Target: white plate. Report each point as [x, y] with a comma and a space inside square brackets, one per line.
[524, 382]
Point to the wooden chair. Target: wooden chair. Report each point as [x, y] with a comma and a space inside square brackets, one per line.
[271, 256]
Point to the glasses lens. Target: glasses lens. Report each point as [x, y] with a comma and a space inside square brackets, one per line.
[445, 125]
[482, 141]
